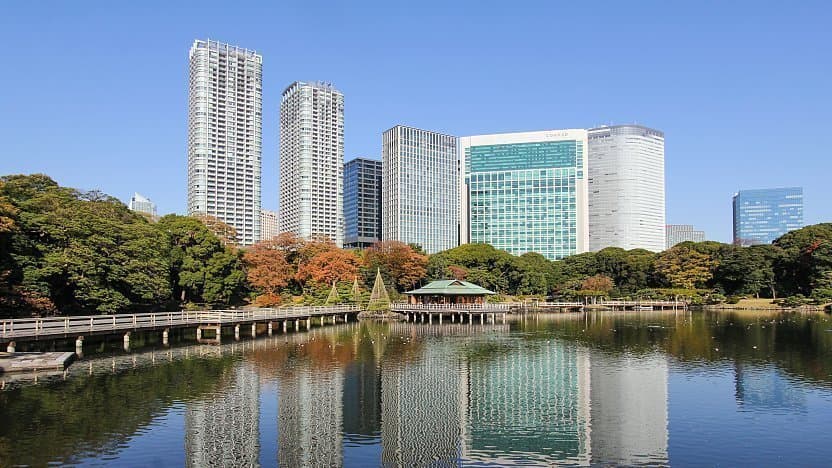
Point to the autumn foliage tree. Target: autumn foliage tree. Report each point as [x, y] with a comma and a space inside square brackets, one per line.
[400, 262]
[268, 270]
[329, 266]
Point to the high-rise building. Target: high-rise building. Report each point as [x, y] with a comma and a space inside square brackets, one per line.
[526, 192]
[268, 224]
[362, 202]
[312, 161]
[142, 204]
[421, 197]
[678, 233]
[225, 124]
[763, 215]
[626, 188]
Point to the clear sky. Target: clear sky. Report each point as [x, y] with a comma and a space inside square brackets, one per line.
[95, 93]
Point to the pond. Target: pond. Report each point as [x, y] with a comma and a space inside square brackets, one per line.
[633, 388]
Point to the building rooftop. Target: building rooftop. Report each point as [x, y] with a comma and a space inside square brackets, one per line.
[450, 288]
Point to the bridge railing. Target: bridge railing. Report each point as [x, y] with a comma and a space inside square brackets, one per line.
[45, 326]
[463, 307]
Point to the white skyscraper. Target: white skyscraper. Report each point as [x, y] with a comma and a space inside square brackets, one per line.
[142, 204]
[420, 195]
[626, 188]
[312, 161]
[225, 122]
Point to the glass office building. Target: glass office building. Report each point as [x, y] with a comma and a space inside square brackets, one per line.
[362, 203]
[526, 192]
[763, 215]
[420, 204]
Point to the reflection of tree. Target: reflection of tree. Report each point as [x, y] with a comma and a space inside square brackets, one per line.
[799, 344]
[60, 422]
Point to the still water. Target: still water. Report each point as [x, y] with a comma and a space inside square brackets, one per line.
[651, 388]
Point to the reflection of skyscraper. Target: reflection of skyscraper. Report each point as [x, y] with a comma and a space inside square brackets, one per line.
[765, 388]
[224, 430]
[309, 418]
[530, 404]
[629, 409]
[423, 409]
[362, 399]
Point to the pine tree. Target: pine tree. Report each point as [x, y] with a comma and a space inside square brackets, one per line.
[379, 300]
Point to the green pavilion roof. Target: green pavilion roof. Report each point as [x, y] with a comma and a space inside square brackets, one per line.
[450, 288]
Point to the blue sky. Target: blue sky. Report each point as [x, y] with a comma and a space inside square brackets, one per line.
[95, 93]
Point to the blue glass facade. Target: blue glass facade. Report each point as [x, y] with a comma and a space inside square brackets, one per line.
[524, 197]
[761, 216]
[362, 203]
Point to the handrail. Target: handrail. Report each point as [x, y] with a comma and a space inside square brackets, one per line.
[46, 326]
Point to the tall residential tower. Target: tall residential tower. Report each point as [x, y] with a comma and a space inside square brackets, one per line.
[312, 161]
[526, 192]
[421, 197]
[225, 124]
[626, 188]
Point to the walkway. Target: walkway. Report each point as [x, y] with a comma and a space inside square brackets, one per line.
[30, 329]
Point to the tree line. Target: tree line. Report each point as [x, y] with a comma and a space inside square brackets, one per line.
[66, 251]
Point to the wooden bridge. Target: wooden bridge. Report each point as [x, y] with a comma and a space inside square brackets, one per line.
[33, 329]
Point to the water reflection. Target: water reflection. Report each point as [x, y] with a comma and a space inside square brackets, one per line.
[565, 389]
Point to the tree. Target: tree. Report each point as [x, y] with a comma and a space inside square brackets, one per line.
[596, 286]
[328, 266]
[683, 266]
[226, 233]
[749, 270]
[400, 262]
[201, 268]
[80, 251]
[267, 268]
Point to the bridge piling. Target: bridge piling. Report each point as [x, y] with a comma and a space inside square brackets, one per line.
[127, 341]
[254, 330]
[237, 332]
[10, 347]
[165, 341]
[270, 328]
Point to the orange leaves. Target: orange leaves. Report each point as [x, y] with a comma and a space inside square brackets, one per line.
[405, 266]
[267, 267]
[328, 266]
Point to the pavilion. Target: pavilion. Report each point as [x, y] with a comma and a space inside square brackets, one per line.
[449, 292]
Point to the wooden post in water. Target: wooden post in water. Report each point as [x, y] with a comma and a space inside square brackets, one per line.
[270, 328]
[198, 333]
[127, 341]
[254, 330]
[309, 324]
[297, 324]
[322, 320]
[285, 325]
[165, 341]
[10, 347]
[237, 332]
[219, 334]
[440, 318]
